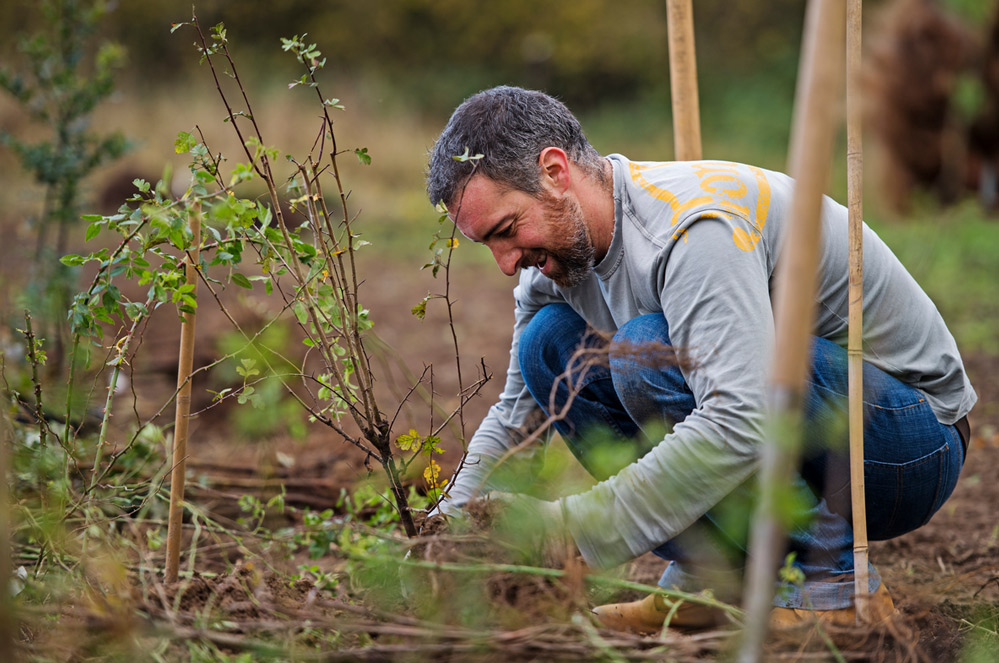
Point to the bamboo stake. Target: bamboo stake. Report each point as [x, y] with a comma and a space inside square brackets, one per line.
[812, 132]
[181, 417]
[855, 353]
[683, 80]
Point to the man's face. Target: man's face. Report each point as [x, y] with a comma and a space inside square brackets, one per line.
[523, 231]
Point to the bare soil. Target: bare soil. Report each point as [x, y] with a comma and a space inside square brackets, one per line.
[944, 577]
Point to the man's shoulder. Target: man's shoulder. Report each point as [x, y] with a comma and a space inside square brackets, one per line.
[663, 196]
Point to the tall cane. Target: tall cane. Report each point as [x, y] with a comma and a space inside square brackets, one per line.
[183, 409]
[819, 78]
[683, 80]
[855, 353]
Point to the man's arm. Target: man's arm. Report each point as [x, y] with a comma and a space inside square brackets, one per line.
[504, 427]
[716, 301]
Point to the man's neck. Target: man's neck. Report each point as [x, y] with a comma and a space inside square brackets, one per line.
[596, 199]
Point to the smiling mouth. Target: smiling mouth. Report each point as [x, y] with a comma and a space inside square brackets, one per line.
[538, 261]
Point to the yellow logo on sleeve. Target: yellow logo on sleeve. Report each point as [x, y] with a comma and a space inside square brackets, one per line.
[725, 190]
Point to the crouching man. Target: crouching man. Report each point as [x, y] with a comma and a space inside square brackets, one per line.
[683, 255]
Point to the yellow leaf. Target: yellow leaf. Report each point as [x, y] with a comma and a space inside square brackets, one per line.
[432, 474]
[410, 440]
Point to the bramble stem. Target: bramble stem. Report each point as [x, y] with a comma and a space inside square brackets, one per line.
[29, 335]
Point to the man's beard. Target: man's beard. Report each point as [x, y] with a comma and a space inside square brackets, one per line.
[574, 255]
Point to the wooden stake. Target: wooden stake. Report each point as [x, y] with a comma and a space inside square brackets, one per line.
[819, 79]
[181, 417]
[855, 352]
[683, 80]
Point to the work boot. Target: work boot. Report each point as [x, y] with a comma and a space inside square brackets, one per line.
[880, 608]
[649, 614]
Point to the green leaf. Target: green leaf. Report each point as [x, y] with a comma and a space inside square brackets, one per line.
[135, 310]
[92, 231]
[248, 394]
[300, 312]
[219, 395]
[246, 368]
[465, 156]
[431, 445]
[363, 156]
[420, 310]
[185, 142]
[241, 281]
[264, 214]
[72, 260]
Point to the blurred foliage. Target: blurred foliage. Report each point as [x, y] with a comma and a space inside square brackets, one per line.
[954, 255]
[974, 11]
[581, 50]
[63, 72]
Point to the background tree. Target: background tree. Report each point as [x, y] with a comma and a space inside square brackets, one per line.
[64, 73]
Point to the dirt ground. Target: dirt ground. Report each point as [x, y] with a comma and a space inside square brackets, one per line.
[940, 576]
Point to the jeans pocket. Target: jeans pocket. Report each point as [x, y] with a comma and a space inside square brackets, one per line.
[909, 494]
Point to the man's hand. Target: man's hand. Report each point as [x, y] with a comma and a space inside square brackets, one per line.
[534, 527]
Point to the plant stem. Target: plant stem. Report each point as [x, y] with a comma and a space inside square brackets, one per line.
[105, 423]
[398, 490]
[69, 391]
[29, 335]
[596, 579]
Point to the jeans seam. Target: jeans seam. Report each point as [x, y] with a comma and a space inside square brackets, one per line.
[915, 462]
[873, 406]
[896, 503]
[899, 408]
[944, 459]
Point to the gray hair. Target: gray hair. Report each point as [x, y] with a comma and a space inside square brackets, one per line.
[510, 127]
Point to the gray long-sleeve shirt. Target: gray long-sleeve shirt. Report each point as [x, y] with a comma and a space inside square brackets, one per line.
[698, 242]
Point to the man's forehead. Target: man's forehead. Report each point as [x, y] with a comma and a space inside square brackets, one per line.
[478, 193]
[479, 206]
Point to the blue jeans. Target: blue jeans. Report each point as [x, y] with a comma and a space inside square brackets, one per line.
[911, 461]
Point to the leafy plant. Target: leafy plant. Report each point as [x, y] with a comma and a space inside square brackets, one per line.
[304, 257]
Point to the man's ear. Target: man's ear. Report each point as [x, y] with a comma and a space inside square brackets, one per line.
[553, 163]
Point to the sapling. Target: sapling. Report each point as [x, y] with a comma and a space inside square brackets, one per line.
[308, 263]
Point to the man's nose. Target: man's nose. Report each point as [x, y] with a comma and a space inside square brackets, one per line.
[506, 257]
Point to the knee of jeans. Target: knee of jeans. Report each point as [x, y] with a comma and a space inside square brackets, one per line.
[540, 344]
[648, 328]
[642, 364]
[636, 344]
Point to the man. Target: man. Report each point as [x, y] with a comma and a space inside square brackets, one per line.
[682, 255]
